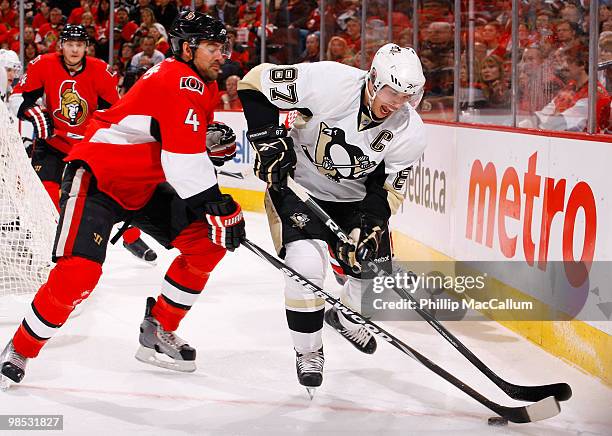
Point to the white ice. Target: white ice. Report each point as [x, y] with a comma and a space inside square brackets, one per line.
[246, 381]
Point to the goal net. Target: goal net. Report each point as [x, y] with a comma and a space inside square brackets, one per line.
[27, 219]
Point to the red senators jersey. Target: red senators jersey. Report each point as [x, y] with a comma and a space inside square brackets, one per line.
[70, 98]
[155, 133]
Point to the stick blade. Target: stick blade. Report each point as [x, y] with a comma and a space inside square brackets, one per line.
[538, 411]
[543, 409]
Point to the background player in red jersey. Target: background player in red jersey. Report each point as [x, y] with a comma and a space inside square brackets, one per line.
[165, 182]
[74, 86]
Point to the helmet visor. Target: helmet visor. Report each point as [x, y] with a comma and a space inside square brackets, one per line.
[393, 98]
[213, 47]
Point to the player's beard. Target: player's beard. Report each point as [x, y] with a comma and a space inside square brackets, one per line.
[210, 74]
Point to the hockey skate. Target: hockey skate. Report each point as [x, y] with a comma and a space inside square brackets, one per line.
[13, 366]
[310, 369]
[162, 348]
[360, 337]
[142, 251]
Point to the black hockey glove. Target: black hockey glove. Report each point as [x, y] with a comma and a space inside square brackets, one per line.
[225, 222]
[275, 158]
[363, 244]
[220, 143]
[42, 121]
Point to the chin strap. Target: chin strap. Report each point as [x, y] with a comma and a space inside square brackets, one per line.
[371, 97]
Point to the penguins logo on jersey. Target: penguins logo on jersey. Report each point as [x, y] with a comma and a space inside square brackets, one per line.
[335, 158]
[72, 108]
[299, 220]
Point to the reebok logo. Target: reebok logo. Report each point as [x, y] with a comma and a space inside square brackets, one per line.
[265, 146]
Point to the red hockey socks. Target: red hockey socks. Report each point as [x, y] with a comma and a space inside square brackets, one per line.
[70, 282]
[187, 275]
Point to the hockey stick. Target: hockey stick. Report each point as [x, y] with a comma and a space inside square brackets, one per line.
[231, 174]
[561, 391]
[537, 411]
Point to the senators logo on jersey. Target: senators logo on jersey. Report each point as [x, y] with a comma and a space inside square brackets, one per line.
[72, 108]
[335, 158]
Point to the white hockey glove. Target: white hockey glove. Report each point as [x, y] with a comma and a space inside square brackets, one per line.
[220, 143]
[41, 120]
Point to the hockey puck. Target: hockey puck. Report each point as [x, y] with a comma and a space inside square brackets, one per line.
[497, 421]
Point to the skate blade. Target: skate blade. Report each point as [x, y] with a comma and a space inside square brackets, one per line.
[150, 357]
[311, 392]
[142, 260]
[5, 383]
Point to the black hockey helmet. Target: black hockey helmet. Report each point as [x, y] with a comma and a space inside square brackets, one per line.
[193, 27]
[74, 32]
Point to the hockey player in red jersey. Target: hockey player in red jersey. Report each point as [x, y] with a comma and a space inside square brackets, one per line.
[73, 86]
[164, 182]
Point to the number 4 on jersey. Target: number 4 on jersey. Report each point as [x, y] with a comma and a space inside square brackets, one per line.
[192, 118]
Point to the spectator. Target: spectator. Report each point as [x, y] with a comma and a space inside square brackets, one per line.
[87, 19]
[435, 10]
[558, 65]
[126, 27]
[338, 51]
[48, 33]
[77, 13]
[311, 54]
[8, 16]
[470, 91]
[102, 15]
[42, 16]
[571, 13]
[99, 47]
[229, 97]
[146, 19]
[30, 53]
[153, 56]
[125, 57]
[159, 34]
[491, 38]
[566, 34]
[537, 83]
[141, 4]
[352, 35]
[569, 109]
[166, 12]
[605, 55]
[238, 54]
[440, 38]
[225, 12]
[29, 35]
[494, 84]
[543, 36]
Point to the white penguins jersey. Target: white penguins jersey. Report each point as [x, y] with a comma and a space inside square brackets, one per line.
[336, 143]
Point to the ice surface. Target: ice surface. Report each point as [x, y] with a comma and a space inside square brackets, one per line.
[246, 382]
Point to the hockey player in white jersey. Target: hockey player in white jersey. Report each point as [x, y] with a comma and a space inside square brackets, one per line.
[10, 72]
[352, 144]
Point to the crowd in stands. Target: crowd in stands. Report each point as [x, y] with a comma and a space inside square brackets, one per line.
[553, 45]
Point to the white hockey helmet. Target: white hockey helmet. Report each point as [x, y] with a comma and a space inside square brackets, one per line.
[10, 60]
[399, 68]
